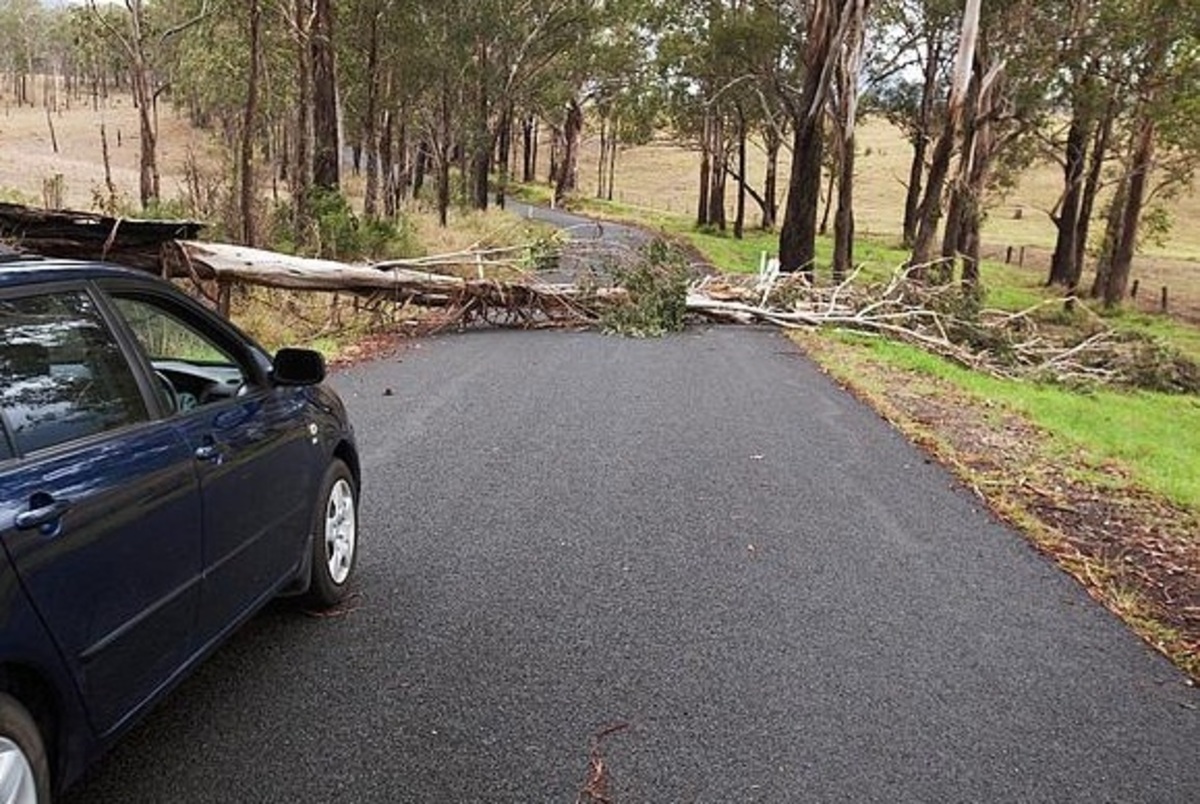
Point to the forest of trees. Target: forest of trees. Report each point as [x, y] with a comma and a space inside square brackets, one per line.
[453, 100]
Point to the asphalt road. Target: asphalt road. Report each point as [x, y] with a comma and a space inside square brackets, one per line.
[699, 539]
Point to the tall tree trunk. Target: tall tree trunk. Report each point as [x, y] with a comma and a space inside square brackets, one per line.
[1112, 232]
[923, 134]
[370, 123]
[1091, 187]
[716, 193]
[705, 169]
[930, 210]
[443, 155]
[739, 220]
[569, 165]
[248, 127]
[481, 145]
[387, 166]
[826, 26]
[1122, 263]
[529, 149]
[773, 142]
[849, 70]
[1062, 265]
[326, 155]
[612, 160]
[602, 162]
[302, 169]
[503, 157]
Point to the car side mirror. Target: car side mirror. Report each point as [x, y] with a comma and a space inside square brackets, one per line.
[297, 367]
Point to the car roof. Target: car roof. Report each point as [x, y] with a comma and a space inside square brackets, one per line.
[27, 269]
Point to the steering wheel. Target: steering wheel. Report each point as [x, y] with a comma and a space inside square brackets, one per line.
[168, 388]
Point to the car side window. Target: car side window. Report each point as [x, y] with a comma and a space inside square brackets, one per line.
[62, 373]
[192, 368]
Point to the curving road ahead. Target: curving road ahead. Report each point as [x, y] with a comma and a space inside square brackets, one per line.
[698, 539]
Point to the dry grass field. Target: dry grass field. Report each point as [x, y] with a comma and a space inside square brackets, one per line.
[662, 176]
[28, 159]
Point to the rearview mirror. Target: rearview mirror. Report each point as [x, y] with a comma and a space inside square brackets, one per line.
[297, 367]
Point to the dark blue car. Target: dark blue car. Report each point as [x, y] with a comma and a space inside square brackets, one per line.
[161, 479]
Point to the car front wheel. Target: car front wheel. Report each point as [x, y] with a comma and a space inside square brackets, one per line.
[335, 537]
[24, 770]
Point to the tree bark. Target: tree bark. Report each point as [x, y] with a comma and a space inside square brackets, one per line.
[930, 210]
[923, 134]
[717, 174]
[503, 158]
[1122, 263]
[770, 208]
[705, 170]
[529, 149]
[826, 25]
[326, 156]
[739, 220]
[569, 163]
[1063, 268]
[248, 127]
[302, 169]
[370, 124]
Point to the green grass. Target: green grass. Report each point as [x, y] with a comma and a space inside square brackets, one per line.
[1154, 437]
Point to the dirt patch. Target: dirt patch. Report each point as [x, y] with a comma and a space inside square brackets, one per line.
[1134, 551]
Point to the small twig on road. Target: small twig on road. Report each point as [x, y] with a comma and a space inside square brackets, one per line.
[595, 787]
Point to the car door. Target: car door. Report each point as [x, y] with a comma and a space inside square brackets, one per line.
[99, 501]
[253, 448]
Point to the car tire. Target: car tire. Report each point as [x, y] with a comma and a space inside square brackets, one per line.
[334, 538]
[24, 768]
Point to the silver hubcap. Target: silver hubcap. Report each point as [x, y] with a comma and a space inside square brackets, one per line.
[340, 530]
[16, 776]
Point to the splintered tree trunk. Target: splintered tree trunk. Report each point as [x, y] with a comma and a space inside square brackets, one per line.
[326, 156]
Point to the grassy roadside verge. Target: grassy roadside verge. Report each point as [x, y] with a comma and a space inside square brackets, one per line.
[1105, 483]
[1076, 473]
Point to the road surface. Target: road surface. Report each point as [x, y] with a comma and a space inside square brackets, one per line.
[699, 541]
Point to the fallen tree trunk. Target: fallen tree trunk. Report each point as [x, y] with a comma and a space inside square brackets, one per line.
[525, 301]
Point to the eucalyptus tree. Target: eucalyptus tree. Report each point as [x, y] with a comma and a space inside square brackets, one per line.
[144, 33]
[1160, 45]
[22, 25]
[826, 32]
[907, 85]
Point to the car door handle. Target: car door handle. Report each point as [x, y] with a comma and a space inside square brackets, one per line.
[48, 512]
[209, 453]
